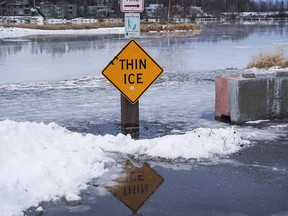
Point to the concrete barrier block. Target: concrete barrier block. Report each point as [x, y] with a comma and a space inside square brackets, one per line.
[221, 98]
[249, 99]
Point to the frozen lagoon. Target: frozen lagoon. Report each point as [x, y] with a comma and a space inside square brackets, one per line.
[58, 79]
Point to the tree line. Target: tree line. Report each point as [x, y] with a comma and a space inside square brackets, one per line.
[218, 6]
[206, 5]
[213, 7]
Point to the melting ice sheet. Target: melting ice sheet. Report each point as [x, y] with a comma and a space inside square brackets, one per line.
[41, 162]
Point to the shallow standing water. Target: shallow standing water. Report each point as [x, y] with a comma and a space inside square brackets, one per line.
[58, 79]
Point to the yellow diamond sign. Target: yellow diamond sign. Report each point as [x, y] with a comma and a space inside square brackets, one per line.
[132, 71]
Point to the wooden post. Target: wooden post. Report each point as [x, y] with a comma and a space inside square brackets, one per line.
[129, 113]
[129, 117]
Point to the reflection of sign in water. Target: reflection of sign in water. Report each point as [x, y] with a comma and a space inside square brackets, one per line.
[132, 71]
[137, 186]
[132, 25]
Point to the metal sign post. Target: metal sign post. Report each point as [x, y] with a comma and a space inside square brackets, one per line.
[132, 71]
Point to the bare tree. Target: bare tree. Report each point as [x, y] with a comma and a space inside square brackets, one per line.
[169, 10]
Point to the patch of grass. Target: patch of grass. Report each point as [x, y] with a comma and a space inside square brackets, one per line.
[267, 59]
[145, 27]
[68, 26]
[169, 27]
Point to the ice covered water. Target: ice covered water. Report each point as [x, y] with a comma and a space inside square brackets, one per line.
[58, 79]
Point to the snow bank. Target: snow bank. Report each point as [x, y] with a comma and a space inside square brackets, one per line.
[41, 162]
[200, 143]
[21, 32]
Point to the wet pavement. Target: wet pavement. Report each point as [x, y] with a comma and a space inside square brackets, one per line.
[250, 182]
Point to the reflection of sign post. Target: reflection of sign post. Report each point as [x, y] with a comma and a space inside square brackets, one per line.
[132, 25]
[132, 71]
[138, 185]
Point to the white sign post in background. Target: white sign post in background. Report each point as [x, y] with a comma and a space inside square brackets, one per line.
[132, 25]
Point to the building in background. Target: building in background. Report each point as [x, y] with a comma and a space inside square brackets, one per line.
[96, 11]
[15, 8]
[65, 10]
[48, 9]
[154, 10]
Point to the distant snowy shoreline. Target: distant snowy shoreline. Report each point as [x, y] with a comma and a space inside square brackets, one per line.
[14, 32]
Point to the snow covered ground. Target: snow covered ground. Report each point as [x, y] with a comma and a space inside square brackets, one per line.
[20, 32]
[44, 161]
